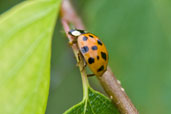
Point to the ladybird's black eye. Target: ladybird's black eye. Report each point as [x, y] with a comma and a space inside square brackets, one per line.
[94, 47]
[90, 60]
[99, 42]
[84, 49]
[85, 38]
[100, 69]
[91, 36]
[103, 55]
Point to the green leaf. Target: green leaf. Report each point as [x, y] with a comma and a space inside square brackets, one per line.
[94, 103]
[25, 42]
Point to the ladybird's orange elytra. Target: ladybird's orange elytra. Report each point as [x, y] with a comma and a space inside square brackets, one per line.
[93, 51]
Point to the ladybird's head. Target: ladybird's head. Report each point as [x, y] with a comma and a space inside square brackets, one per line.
[76, 32]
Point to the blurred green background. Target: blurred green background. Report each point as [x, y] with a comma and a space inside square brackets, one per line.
[137, 34]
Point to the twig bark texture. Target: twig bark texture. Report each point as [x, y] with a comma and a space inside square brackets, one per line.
[109, 82]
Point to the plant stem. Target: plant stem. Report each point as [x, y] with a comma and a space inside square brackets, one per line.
[85, 84]
[80, 62]
[109, 82]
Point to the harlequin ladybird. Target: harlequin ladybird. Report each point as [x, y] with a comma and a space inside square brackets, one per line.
[93, 50]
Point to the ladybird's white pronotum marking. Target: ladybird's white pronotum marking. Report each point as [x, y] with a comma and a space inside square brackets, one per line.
[76, 33]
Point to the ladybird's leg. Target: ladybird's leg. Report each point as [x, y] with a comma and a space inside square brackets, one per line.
[85, 64]
[79, 58]
[90, 75]
[73, 42]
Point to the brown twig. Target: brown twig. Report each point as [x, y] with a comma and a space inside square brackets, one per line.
[109, 82]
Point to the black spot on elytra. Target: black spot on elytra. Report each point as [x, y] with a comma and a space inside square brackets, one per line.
[94, 47]
[99, 42]
[91, 36]
[103, 55]
[85, 38]
[90, 60]
[100, 69]
[98, 57]
[84, 49]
